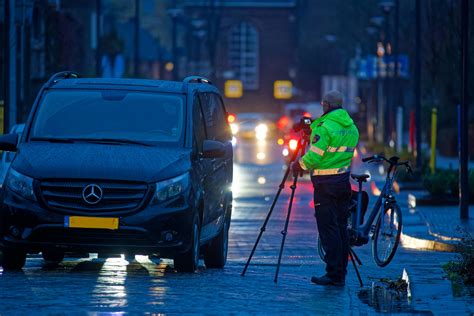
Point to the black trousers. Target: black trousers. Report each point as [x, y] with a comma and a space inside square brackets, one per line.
[331, 203]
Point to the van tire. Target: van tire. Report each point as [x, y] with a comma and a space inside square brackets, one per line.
[216, 252]
[13, 259]
[188, 261]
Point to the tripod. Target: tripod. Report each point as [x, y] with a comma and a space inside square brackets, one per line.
[302, 144]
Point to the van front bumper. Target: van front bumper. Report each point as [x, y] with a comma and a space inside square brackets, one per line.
[156, 230]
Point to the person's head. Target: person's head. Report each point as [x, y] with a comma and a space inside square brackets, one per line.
[332, 99]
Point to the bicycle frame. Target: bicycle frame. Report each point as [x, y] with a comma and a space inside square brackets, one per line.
[385, 197]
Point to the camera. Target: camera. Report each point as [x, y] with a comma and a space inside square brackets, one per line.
[303, 125]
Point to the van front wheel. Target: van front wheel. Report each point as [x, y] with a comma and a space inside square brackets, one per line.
[13, 259]
[188, 261]
[216, 252]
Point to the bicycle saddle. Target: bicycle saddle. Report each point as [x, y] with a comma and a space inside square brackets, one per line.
[360, 177]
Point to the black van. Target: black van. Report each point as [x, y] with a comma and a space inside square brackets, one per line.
[120, 166]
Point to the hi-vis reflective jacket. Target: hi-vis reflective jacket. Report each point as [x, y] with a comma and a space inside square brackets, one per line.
[334, 137]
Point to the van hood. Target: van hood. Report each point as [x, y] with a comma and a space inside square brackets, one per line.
[101, 162]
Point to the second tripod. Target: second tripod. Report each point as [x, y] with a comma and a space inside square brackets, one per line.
[302, 144]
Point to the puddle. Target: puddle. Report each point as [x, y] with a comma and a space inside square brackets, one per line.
[384, 298]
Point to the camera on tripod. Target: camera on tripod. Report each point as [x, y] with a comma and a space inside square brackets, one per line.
[304, 126]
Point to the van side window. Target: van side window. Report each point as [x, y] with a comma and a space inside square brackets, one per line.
[199, 127]
[216, 121]
[225, 132]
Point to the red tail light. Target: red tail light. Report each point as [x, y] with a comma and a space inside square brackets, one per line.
[283, 122]
[231, 118]
[292, 144]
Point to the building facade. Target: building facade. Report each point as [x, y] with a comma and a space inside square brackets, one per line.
[254, 42]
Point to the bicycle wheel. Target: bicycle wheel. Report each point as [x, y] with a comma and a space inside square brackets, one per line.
[387, 235]
[321, 251]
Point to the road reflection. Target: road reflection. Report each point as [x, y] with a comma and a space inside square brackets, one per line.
[258, 152]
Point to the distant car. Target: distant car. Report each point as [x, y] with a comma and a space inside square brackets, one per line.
[255, 125]
[7, 156]
[120, 166]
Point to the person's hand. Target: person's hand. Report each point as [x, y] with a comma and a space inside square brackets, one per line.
[296, 168]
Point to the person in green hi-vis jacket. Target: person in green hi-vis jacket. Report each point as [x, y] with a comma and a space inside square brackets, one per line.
[334, 138]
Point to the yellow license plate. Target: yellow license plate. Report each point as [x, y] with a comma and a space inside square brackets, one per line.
[91, 222]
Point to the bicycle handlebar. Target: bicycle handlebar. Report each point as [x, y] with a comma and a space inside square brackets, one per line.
[393, 161]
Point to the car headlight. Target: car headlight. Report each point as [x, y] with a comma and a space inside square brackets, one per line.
[261, 131]
[169, 189]
[20, 184]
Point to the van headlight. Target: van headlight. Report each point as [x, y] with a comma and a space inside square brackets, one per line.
[168, 189]
[20, 184]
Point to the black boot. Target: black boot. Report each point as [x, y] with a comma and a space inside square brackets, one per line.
[326, 280]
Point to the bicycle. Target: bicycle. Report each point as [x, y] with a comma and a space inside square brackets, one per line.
[388, 227]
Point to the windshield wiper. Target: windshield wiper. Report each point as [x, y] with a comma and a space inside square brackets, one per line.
[118, 141]
[53, 139]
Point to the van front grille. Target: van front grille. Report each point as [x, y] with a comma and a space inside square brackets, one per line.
[108, 197]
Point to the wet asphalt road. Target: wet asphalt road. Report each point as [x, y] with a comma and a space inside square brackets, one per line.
[99, 286]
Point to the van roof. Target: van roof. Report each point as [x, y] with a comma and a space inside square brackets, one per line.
[134, 84]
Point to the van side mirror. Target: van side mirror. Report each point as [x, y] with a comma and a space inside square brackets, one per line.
[8, 142]
[212, 149]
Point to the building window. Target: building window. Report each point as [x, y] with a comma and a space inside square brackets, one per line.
[243, 54]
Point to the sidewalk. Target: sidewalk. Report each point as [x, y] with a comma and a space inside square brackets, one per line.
[437, 228]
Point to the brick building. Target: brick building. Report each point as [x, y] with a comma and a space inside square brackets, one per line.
[253, 41]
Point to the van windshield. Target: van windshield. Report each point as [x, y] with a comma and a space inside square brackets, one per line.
[136, 116]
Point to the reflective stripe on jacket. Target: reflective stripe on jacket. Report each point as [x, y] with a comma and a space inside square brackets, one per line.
[334, 137]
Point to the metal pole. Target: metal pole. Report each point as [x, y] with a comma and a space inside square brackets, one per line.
[434, 124]
[174, 47]
[464, 148]
[11, 113]
[98, 57]
[136, 51]
[380, 135]
[395, 87]
[418, 82]
[387, 84]
[399, 128]
[6, 70]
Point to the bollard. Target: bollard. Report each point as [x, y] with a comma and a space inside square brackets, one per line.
[399, 129]
[434, 118]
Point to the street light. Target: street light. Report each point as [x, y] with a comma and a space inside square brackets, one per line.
[175, 14]
[372, 104]
[386, 7]
[371, 30]
[198, 35]
[376, 21]
[376, 24]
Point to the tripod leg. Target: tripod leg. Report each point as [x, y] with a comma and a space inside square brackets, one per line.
[280, 188]
[285, 230]
[356, 269]
[355, 256]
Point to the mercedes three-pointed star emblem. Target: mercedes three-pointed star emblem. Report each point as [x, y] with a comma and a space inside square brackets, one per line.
[92, 194]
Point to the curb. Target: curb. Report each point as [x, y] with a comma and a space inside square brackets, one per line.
[425, 244]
